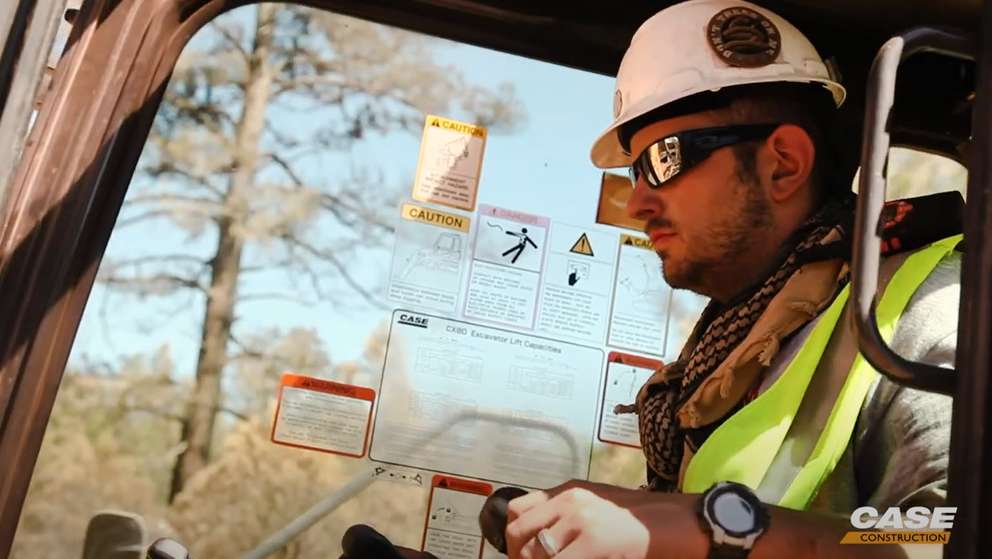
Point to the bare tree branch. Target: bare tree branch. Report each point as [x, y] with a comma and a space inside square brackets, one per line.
[158, 258]
[231, 40]
[230, 411]
[163, 317]
[330, 258]
[286, 167]
[129, 408]
[320, 84]
[250, 269]
[283, 140]
[151, 214]
[303, 265]
[276, 297]
[330, 203]
[206, 115]
[246, 352]
[192, 205]
[166, 168]
[160, 198]
[124, 409]
[105, 321]
[152, 285]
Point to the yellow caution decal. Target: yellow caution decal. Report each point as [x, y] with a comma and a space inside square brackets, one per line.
[414, 212]
[463, 127]
[639, 242]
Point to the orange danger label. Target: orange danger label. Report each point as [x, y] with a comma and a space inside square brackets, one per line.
[634, 360]
[328, 386]
[464, 485]
[451, 528]
[323, 415]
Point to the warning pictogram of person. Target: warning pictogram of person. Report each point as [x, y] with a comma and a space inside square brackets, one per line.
[523, 241]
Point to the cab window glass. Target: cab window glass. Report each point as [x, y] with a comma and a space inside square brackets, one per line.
[916, 173]
[411, 229]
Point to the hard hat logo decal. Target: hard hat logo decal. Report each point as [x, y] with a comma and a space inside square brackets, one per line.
[744, 38]
[617, 103]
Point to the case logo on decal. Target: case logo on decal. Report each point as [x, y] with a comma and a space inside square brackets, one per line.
[413, 320]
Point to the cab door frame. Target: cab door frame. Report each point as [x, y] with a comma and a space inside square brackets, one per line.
[61, 204]
[66, 193]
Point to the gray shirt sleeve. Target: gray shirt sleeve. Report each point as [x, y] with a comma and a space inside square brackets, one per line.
[902, 438]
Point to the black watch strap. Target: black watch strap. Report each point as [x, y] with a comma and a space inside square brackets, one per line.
[723, 551]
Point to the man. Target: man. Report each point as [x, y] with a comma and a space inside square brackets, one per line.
[721, 111]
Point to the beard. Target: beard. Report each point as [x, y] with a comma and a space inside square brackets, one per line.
[713, 254]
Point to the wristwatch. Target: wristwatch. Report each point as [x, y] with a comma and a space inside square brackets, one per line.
[734, 518]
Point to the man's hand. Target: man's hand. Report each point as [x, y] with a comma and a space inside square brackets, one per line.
[594, 521]
[591, 520]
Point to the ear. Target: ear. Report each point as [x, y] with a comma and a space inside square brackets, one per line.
[790, 157]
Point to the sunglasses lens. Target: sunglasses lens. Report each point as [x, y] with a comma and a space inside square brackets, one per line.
[665, 159]
[640, 168]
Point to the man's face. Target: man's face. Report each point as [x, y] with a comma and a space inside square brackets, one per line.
[706, 222]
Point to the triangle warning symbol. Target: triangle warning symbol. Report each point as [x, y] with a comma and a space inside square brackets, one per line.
[582, 246]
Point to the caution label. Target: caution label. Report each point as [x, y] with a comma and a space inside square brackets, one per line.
[641, 299]
[450, 163]
[462, 127]
[414, 212]
[637, 242]
[582, 246]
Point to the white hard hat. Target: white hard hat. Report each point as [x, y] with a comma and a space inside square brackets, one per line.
[706, 45]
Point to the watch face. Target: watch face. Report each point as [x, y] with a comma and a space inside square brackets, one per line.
[734, 514]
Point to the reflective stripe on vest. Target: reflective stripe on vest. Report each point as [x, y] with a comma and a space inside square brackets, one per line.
[743, 447]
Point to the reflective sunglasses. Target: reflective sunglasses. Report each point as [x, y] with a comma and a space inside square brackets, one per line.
[666, 158]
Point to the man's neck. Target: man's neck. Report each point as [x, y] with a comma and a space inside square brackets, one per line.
[751, 271]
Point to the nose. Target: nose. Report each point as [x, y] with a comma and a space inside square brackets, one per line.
[644, 203]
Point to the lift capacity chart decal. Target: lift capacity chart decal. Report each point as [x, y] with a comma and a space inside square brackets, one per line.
[322, 415]
[625, 375]
[506, 269]
[452, 526]
[450, 163]
[578, 282]
[486, 403]
[641, 299]
[429, 258]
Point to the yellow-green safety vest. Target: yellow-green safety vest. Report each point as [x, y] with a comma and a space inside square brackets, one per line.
[743, 447]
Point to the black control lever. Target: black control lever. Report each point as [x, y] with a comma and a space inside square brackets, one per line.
[362, 541]
[493, 517]
[167, 548]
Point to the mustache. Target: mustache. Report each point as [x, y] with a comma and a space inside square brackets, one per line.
[659, 223]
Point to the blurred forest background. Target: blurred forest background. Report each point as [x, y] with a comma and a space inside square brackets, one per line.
[235, 183]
